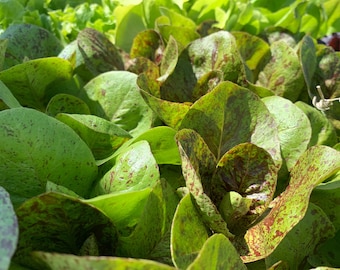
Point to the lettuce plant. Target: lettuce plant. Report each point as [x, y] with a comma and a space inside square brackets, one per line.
[192, 142]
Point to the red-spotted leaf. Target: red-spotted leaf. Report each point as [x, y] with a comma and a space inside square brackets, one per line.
[217, 51]
[9, 230]
[102, 136]
[27, 41]
[188, 233]
[293, 126]
[198, 165]
[171, 113]
[145, 44]
[135, 169]
[114, 96]
[302, 240]
[97, 53]
[230, 115]
[313, 167]
[251, 172]
[54, 222]
[254, 51]
[29, 81]
[36, 148]
[169, 60]
[283, 74]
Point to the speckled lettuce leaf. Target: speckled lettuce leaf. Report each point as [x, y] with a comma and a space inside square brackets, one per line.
[29, 81]
[28, 42]
[36, 148]
[283, 74]
[135, 169]
[206, 83]
[217, 253]
[169, 60]
[293, 126]
[312, 168]
[54, 222]
[114, 96]
[55, 261]
[99, 54]
[102, 136]
[217, 51]
[65, 103]
[230, 115]
[171, 113]
[188, 233]
[254, 51]
[9, 230]
[145, 44]
[179, 84]
[323, 132]
[302, 240]
[198, 164]
[250, 171]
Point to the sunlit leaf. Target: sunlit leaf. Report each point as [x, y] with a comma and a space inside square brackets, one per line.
[234, 115]
[313, 167]
[303, 239]
[36, 148]
[114, 96]
[293, 126]
[29, 81]
[283, 73]
[135, 169]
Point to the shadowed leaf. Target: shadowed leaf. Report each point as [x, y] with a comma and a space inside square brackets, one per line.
[217, 253]
[54, 222]
[9, 231]
[188, 233]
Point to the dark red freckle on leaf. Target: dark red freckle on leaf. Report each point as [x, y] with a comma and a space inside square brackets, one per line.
[280, 81]
[278, 233]
[268, 222]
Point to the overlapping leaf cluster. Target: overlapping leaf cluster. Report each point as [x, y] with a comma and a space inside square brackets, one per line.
[194, 149]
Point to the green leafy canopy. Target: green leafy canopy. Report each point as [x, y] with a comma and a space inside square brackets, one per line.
[155, 134]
